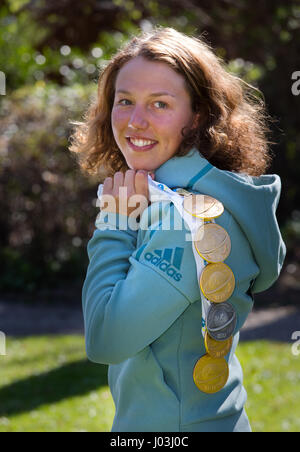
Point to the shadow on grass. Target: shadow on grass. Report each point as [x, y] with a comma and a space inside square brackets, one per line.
[70, 380]
[278, 329]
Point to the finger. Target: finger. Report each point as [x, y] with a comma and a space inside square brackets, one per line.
[141, 183]
[129, 181]
[118, 182]
[107, 186]
[107, 198]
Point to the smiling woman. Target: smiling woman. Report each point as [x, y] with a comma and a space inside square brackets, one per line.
[148, 130]
[205, 107]
[167, 105]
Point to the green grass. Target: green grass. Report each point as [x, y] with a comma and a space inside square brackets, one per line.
[272, 381]
[47, 385]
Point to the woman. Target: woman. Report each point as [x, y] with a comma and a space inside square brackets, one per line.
[167, 107]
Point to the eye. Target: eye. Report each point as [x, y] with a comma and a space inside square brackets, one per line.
[162, 103]
[122, 100]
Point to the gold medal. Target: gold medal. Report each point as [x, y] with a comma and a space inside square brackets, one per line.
[212, 242]
[203, 206]
[210, 374]
[217, 349]
[217, 282]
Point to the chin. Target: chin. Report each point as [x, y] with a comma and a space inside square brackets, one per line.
[140, 165]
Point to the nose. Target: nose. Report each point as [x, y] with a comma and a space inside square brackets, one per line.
[138, 119]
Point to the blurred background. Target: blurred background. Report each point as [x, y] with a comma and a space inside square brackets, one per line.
[51, 53]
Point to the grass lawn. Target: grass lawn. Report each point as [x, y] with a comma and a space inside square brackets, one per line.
[47, 385]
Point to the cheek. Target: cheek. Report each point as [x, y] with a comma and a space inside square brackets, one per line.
[118, 119]
[168, 124]
[173, 126]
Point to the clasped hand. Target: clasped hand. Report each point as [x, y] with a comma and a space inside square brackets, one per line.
[123, 193]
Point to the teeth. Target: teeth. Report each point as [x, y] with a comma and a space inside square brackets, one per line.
[141, 143]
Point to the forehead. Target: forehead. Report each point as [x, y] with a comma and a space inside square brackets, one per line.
[142, 74]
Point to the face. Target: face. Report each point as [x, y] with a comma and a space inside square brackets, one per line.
[151, 107]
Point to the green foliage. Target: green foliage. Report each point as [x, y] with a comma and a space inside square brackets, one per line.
[18, 37]
[48, 204]
[29, 53]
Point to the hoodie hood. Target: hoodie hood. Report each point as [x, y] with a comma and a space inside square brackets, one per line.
[252, 201]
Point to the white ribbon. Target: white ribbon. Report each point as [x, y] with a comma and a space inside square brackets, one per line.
[194, 223]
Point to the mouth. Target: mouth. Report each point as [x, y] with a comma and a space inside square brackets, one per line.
[141, 145]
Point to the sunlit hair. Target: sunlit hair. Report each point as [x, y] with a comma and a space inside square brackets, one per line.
[232, 134]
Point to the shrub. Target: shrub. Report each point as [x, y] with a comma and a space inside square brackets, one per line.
[48, 207]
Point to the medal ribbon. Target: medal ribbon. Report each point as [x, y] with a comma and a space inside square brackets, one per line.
[161, 192]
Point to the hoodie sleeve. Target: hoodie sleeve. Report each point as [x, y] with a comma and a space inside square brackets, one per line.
[126, 304]
[273, 249]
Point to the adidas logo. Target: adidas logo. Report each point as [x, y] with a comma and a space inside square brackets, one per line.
[167, 260]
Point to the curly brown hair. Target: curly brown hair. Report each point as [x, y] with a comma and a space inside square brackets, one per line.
[233, 134]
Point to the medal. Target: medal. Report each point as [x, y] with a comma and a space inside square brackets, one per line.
[217, 282]
[203, 206]
[213, 243]
[217, 349]
[221, 321]
[210, 374]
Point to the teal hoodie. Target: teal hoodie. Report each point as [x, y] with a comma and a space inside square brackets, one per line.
[142, 304]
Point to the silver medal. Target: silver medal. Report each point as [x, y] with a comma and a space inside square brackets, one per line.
[221, 321]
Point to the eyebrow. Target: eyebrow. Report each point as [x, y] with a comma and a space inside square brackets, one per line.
[160, 93]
